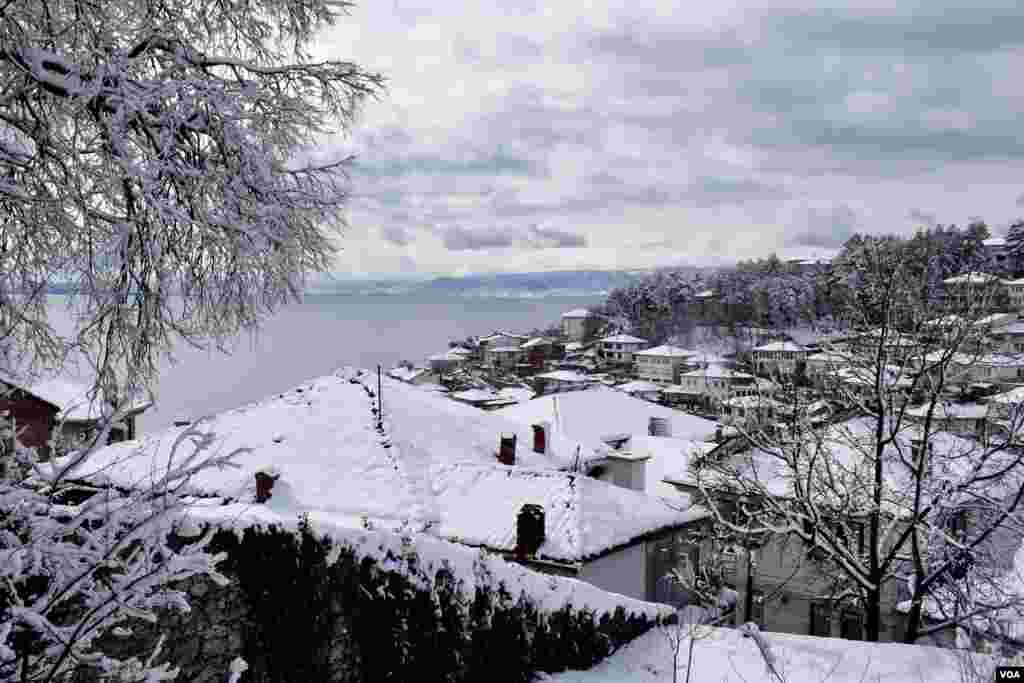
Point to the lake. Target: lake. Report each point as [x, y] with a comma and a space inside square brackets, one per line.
[325, 331]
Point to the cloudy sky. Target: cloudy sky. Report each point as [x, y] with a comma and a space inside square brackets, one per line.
[533, 136]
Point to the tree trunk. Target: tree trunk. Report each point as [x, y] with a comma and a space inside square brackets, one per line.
[910, 635]
[873, 616]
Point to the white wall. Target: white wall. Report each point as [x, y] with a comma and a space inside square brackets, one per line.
[622, 571]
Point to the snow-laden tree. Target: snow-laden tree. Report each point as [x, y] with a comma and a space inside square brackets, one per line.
[908, 482]
[79, 562]
[155, 160]
[156, 164]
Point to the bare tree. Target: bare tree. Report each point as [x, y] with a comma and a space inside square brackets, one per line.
[894, 488]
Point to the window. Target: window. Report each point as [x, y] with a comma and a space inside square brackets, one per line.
[821, 620]
[851, 626]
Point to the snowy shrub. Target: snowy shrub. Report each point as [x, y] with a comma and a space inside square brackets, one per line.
[368, 619]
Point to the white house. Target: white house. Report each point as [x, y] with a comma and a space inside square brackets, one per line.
[783, 358]
[715, 383]
[561, 380]
[500, 339]
[564, 523]
[579, 324]
[503, 356]
[620, 347]
[663, 363]
[648, 391]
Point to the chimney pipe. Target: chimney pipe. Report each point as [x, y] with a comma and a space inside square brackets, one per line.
[507, 449]
[529, 530]
[264, 485]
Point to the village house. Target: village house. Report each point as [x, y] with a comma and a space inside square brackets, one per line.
[448, 360]
[36, 407]
[619, 348]
[560, 380]
[415, 376]
[788, 594]
[707, 387]
[663, 363]
[503, 357]
[642, 389]
[604, 533]
[821, 366]
[499, 339]
[580, 324]
[970, 289]
[540, 350]
[779, 359]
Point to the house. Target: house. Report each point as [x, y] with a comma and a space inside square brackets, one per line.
[604, 414]
[821, 366]
[781, 358]
[499, 339]
[642, 389]
[619, 348]
[975, 289]
[749, 410]
[560, 380]
[448, 360]
[481, 398]
[36, 407]
[663, 363]
[564, 523]
[580, 324]
[417, 376]
[539, 351]
[957, 418]
[321, 437]
[503, 357]
[708, 386]
[434, 465]
[997, 252]
[776, 566]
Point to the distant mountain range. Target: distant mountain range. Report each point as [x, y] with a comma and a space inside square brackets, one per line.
[505, 285]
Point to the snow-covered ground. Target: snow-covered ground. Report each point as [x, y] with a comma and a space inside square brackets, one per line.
[725, 656]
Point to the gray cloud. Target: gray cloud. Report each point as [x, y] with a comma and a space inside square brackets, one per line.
[531, 237]
[825, 227]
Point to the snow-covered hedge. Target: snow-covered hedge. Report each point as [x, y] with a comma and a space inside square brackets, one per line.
[374, 606]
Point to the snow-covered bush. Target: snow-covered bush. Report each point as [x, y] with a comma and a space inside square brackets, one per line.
[79, 562]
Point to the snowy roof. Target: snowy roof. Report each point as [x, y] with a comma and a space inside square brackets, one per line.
[751, 402]
[579, 313]
[74, 401]
[624, 339]
[974, 278]
[994, 242]
[563, 376]
[638, 386]
[1012, 397]
[594, 413]
[850, 445]
[833, 357]
[667, 350]
[573, 346]
[449, 355]
[322, 437]
[505, 349]
[474, 395]
[781, 346]
[948, 409]
[584, 517]
[406, 374]
[498, 334]
[718, 372]
[705, 294]
[537, 341]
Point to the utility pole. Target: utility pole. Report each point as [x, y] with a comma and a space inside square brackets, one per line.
[380, 402]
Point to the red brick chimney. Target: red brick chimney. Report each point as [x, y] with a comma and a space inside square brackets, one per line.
[264, 485]
[507, 449]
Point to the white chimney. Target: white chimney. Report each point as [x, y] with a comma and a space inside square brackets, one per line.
[628, 469]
